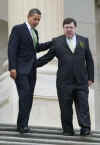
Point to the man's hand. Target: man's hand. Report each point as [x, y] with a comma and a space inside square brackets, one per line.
[90, 83]
[13, 74]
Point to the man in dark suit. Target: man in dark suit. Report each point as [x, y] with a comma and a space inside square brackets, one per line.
[75, 74]
[22, 47]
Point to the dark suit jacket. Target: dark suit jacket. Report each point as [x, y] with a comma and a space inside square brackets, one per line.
[21, 51]
[75, 67]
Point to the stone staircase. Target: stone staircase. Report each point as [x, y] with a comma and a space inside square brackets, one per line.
[44, 136]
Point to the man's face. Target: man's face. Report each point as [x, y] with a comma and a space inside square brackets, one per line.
[69, 30]
[34, 20]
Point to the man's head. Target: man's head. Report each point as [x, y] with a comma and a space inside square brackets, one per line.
[34, 17]
[69, 26]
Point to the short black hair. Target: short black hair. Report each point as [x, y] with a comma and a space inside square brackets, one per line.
[69, 20]
[34, 11]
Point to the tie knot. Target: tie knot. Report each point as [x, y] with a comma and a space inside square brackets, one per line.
[70, 39]
[32, 29]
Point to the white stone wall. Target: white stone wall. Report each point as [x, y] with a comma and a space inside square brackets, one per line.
[4, 10]
[3, 32]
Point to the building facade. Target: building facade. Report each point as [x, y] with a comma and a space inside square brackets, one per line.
[45, 109]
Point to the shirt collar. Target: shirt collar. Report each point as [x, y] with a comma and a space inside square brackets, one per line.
[28, 25]
[73, 38]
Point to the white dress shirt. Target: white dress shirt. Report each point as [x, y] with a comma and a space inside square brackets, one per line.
[29, 28]
[73, 41]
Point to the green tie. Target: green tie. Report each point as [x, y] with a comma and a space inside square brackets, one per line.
[34, 37]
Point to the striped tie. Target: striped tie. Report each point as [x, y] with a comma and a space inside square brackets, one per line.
[34, 37]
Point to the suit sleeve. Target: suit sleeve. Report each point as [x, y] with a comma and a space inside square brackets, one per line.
[89, 62]
[44, 46]
[13, 48]
[47, 57]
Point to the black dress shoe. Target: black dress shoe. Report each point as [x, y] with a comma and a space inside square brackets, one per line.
[70, 133]
[23, 130]
[85, 132]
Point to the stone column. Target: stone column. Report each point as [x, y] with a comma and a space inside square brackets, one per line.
[52, 15]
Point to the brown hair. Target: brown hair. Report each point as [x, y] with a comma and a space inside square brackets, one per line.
[69, 20]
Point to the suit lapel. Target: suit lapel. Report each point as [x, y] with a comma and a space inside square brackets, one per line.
[65, 44]
[28, 35]
[77, 43]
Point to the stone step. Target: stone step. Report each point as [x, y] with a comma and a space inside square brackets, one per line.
[44, 136]
[7, 127]
[38, 128]
[42, 130]
[44, 141]
[92, 138]
[18, 143]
